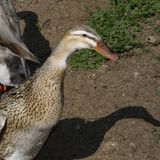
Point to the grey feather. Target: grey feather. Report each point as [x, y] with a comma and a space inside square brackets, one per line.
[10, 33]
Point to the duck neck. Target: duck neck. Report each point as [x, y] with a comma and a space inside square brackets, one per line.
[54, 67]
[48, 81]
[59, 56]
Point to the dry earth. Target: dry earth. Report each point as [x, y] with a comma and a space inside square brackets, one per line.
[110, 113]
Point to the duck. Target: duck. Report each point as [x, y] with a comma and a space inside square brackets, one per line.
[13, 51]
[26, 122]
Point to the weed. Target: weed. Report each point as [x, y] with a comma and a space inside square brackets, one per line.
[117, 26]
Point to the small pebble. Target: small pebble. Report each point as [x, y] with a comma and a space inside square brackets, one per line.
[151, 39]
[136, 74]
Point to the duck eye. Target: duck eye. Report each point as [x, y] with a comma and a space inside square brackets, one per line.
[84, 35]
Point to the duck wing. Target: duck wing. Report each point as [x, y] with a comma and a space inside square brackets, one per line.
[12, 15]
[10, 33]
[2, 121]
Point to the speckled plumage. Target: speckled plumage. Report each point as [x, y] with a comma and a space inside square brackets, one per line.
[35, 107]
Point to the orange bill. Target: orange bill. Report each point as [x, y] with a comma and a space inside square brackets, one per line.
[106, 51]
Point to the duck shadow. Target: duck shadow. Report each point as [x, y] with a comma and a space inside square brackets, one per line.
[33, 39]
[77, 138]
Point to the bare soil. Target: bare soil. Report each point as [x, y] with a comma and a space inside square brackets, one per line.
[111, 113]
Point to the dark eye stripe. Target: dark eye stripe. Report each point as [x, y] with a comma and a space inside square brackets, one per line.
[86, 36]
[92, 38]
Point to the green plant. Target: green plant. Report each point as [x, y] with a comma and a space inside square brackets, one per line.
[117, 26]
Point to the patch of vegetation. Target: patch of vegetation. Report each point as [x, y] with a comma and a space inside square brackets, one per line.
[117, 26]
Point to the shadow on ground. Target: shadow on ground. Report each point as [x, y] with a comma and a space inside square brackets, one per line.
[33, 38]
[77, 138]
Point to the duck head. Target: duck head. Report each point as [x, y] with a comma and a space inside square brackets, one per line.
[82, 37]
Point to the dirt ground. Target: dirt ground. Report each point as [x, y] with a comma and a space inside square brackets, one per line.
[111, 113]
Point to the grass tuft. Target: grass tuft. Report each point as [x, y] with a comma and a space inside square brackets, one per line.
[117, 26]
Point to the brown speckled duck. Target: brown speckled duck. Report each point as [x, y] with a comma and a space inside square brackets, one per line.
[28, 113]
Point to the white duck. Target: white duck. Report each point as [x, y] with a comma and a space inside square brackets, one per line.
[30, 111]
[12, 69]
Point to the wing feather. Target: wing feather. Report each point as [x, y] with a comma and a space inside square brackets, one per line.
[10, 33]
